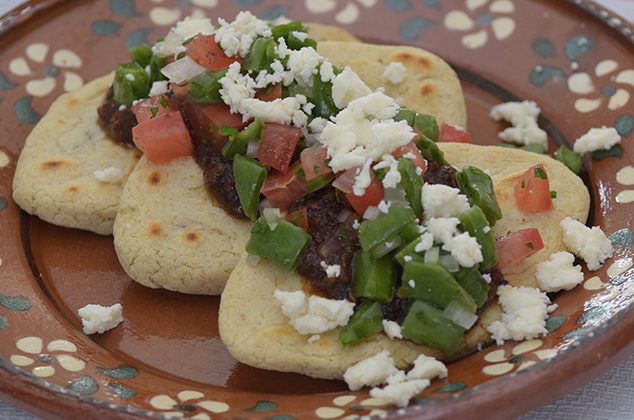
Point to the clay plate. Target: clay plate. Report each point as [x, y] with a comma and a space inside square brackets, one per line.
[572, 57]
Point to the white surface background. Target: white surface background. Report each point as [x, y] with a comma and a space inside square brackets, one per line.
[609, 397]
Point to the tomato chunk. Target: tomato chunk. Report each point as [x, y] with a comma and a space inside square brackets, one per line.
[452, 133]
[314, 162]
[371, 197]
[532, 191]
[206, 121]
[517, 246]
[277, 145]
[409, 150]
[154, 106]
[283, 188]
[299, 217]
[163, 138]
[275, 92]
[204, 50]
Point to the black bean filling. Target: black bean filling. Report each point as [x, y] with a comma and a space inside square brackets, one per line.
[116, 122]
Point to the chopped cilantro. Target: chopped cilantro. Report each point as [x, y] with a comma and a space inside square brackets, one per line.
[164, 102]
[540, 173]
[553, 194]
[154, 111]
[530, 245]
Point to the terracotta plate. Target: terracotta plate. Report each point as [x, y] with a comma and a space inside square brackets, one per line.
[572, 57]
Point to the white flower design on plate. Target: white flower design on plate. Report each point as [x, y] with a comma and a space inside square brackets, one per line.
[613, 91]
[346, 15]
[487, 14]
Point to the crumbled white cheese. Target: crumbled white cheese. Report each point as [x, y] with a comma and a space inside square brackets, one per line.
[313, 338]
[326, 71]
[111, 175]
[558, 273]
[400, 393]
[130, 77]
[300, 35]
[302, 65]
[188, 27]
[465, 249]
[363, 179]
[99, 319]
[237, 36]
[523, 117]
[590, 244]
[348, 86]
[426, 367]
[392, 329]
[411, 283]
[487, 277]
[597, 139]
[384, 206]
[371, 371]
[426, 242]
[443, 201]
[159, 87]
[443, 229]
[524, 317]
[314, 315]
[395, 73]
[331, 270]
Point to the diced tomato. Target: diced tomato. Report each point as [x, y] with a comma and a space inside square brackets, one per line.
[204, 50]
[153, 107]
[314, 162]
[180, 90]
[282, 189]
[299, 217]
[206, 120]
[277, 145]
[452, 133]
[275, 92]
[517, 246]
[372, 196]
[532, 192]
[411, 148]
[163, 138]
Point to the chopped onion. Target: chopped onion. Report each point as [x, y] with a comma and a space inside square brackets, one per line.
[371, 213]
[272, 217]
[253, 259]
[343, 215]
[182, 69]
[432, 255]
[396, 195]
[458, 314]
[253, 147]
[449, 262]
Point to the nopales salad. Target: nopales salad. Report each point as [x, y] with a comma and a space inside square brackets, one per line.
[343, 184]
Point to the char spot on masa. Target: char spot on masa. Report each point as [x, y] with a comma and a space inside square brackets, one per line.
[155, 178]
[192, 236]
[156, 229]
[52, 164]
[73, 188]
[426, 90]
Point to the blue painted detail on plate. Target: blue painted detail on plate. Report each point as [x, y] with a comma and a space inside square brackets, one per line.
[1, 99]
[541, 74]
[19, 303]
[484, 19]
[246, 3]
[3, 323]
[423, 401]
[137, 37]
[51, 70]
[282, 417]
[399, 5]
[120, 372]
[577, 46]
[183, 4]
[623, 237]
[121, 390]
[434, 4]
[85, 385]
[5, 83]
[590, 314]
[263, 406]
[555, 322]
[412, 28]
[608, 90]
[614, 151]
[624, 125]
[452, 387]
[544, 47]
[3, 203]
[24, 112]
[124, 8]
[105, 27]
[274, 12]
[578, 333]
[184, 408]
[517, 359]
